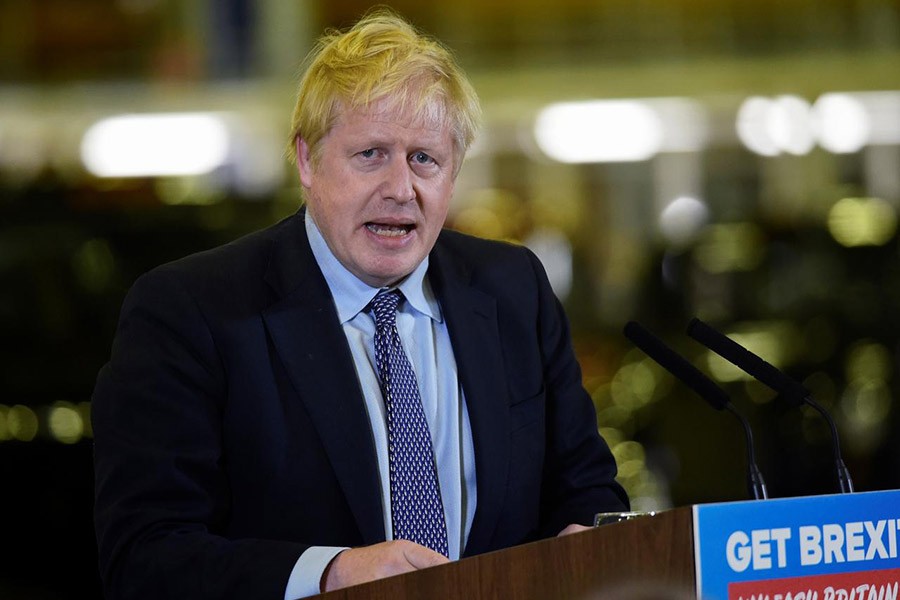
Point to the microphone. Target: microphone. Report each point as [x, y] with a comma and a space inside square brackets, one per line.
[705, 387]
[787, 388]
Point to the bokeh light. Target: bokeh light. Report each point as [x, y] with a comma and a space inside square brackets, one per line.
[862, 222]
[731, 247]
[22, 423]
[683, 219]
[599, 131]
[155, 145]
[5, 433]
[842, 123]
[770, 127]
[65, 423]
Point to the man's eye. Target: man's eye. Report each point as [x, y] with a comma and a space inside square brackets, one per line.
[369, 153]
[422, 158]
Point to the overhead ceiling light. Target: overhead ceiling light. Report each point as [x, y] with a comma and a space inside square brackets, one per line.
[842, 123]
[788, 123]
[751, 126]
[599, 131]
[770, 126]
[148, 145]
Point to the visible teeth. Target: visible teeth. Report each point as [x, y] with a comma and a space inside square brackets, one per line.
[388, 230]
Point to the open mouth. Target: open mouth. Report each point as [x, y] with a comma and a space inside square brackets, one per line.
[389, 230]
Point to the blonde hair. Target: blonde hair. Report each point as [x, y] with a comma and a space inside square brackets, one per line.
[383, 57]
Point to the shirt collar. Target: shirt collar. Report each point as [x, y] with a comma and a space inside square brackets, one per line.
[352, 295]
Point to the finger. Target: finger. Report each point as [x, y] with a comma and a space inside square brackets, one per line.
[421, 557]
[573, 528]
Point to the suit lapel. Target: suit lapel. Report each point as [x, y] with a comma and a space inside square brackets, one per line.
[471, 317]
[304, 328]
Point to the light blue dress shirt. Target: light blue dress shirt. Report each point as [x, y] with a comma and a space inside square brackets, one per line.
[426, 341]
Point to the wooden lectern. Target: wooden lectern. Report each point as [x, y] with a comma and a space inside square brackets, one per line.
[832, 546]
[652, 550]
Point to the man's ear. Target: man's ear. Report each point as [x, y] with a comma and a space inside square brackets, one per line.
[304, 162]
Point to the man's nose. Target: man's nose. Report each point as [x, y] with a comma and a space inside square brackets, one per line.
[398, 183]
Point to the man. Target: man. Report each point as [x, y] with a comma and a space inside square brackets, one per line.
[264, 402]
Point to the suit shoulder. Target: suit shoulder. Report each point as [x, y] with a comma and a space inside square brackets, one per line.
[479, 251]
[223, 273]
[505, 268]
[248, 253]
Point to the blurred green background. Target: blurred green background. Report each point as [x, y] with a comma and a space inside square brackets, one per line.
[733, 160]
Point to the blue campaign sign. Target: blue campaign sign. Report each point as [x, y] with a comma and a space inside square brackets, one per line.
[840, 547]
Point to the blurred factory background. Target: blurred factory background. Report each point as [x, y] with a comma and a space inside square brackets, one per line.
[728, 159]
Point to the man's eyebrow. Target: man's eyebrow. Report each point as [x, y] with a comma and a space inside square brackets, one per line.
[374, 139]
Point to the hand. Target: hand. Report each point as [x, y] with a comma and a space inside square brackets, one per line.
[573, 528]
[359, 565]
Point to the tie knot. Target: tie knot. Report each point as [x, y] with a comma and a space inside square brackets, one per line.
[384, 306]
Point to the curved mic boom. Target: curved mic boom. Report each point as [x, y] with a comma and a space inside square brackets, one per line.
[705, 387]
[787, 388]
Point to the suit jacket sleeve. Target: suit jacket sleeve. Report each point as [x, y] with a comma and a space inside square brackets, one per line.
[162, 490]
[579, 469]
[540, 461]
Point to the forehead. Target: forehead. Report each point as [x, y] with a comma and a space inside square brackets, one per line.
[425, 118]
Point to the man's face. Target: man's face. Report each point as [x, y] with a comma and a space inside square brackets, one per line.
[380, 190]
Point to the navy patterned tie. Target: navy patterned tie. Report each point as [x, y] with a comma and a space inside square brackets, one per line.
[417, 512]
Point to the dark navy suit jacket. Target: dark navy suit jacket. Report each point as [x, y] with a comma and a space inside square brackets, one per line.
[231, 432]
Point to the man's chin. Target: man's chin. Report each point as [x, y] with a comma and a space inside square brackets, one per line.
[382, 269]
[388, 275]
